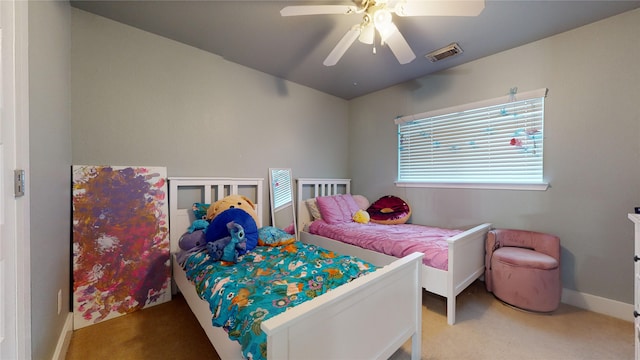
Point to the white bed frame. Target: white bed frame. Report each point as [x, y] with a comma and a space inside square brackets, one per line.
[466, 250]
[368, 318]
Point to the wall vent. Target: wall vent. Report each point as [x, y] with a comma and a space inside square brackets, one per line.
[445, 52]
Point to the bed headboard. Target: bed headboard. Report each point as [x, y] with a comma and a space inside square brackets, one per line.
[311, 188]
[184, 191]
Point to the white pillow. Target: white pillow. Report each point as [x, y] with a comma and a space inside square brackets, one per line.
[312, 205]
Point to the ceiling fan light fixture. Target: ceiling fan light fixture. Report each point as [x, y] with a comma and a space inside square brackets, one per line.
[445, 52]
[367, 33]
[382, 17]
[378, 17]
[383, 21]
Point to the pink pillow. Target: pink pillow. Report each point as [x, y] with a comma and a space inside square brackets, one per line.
[362, 201]
[337, 208]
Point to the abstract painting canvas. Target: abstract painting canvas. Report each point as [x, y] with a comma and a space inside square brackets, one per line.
[121, 257]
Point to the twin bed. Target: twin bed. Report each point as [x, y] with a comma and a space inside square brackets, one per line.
[368, 318]
[465, 250]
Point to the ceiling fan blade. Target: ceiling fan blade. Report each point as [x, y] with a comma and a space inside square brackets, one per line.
[342, 46]
[398, 44]
[317, 10]
[439, 8]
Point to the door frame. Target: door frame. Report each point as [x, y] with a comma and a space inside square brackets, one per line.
[15, 155]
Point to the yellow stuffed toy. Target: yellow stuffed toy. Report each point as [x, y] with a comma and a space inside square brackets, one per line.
[361, 217]
[230, 202]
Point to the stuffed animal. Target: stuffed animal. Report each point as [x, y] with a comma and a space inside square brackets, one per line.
[389, 210]
[190, 240]
[233, 202]
[189, 243]
[361, 216]
[237, 243]
[216, 248]
[218, 229]
[199, 224]
[193, 240]
[228, 248]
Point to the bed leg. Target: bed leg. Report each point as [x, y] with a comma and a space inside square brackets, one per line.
[416, 345]
[451, 309]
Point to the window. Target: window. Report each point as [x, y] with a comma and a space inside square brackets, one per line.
[282, 194]
[496, 143]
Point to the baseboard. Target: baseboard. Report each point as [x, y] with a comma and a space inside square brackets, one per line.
[598, 304]
[64, 339]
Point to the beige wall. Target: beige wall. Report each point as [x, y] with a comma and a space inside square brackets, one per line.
[591, 156]
[141, 99]
[49, 171]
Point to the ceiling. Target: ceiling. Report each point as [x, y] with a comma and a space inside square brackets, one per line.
[253, 34]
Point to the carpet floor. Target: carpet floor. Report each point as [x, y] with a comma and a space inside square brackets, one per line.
[485, 329]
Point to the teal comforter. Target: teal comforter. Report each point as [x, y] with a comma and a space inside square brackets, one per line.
[265, 282]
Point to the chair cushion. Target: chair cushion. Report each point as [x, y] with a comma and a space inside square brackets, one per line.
[521, 257]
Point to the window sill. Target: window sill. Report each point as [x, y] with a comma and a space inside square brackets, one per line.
[534, 187]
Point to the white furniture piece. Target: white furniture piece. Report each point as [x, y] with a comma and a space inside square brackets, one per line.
[465, 251]
[636, 281]
[368, 318]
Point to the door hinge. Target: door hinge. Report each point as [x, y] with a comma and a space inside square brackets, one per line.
[18, 183]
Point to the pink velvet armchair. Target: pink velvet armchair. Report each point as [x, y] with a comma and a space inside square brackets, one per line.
[522, 268]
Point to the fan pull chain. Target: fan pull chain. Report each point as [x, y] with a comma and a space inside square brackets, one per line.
[374, 42]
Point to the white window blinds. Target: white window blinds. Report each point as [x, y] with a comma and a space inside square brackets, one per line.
[497, 141]
[282, 194]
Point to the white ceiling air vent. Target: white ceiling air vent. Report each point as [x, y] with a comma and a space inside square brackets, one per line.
[445, 52]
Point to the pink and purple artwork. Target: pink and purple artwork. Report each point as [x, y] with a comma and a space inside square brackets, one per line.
[121, 257]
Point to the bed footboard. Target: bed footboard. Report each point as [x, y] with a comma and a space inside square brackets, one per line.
[466, 264]
[340, 325]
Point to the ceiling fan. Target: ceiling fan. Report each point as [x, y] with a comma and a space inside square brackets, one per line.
[377, 15]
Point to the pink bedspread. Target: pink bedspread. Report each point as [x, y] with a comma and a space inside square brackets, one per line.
[394, 240]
